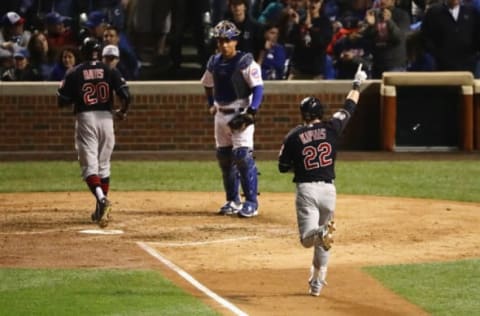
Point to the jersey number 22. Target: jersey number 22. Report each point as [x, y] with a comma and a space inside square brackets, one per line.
[317, 157]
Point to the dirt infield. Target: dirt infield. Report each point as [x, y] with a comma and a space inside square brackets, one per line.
[256, 264]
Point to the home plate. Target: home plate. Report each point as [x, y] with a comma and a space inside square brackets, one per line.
[102, 231]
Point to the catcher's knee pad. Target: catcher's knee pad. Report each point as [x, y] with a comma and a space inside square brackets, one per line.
[229, 173]
[243, 159]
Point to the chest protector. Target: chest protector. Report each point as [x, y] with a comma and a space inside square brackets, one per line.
[228, 79]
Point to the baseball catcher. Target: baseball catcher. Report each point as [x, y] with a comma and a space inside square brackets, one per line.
[234, 90]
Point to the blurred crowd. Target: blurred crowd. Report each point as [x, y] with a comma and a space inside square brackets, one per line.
[290, 39]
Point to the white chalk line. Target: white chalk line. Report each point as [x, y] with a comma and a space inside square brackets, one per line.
[46, 231]
[191, 280]
[200, 243]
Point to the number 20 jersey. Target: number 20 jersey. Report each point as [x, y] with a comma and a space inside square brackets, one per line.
[90, 86]
[310, 150]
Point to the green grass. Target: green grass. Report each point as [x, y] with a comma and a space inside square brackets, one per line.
[93, 292]
[442, 289]
[447, 180]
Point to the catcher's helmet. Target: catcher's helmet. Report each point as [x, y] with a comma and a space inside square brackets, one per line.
[311, 108]
[226, 29]
[91, 48]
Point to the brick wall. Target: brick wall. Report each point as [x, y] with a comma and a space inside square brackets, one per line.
[167, 116]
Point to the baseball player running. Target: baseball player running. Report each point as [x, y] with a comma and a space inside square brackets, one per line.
[89, 87]
[234, 88]
[309, 151]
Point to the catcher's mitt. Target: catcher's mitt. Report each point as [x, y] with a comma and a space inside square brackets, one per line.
[241, 121]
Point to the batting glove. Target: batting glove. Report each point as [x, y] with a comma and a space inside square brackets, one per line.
[121, 115]
[360, 77]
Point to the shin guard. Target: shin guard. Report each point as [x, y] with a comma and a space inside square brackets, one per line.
[229, 173]
[243, 159]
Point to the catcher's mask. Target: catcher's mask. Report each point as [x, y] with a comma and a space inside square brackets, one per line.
[311, 108]
[91, 49]
[226, 30]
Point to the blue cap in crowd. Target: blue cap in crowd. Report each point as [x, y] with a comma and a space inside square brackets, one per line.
[56, 18]
[21, 53]
[95, 18]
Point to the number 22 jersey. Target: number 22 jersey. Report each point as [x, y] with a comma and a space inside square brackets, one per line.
[310, 150]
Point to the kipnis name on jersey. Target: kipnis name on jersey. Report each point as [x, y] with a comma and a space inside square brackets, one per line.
[314, 134]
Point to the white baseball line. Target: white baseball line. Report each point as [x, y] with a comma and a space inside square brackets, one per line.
[191, 280]
[46, 231]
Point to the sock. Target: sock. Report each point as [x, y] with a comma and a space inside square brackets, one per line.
[314, 273]
[323, 273]
[105, 183]
[319, 274]
[94, 184]
[99, 193]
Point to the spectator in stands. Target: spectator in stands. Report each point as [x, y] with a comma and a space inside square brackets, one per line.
[310, 38]
[349, 49]
[276, 12]
[348, 23]
[95, 25]
[196, 19]
[273, 57]
[173, 18]
[287, 20]
[58, 33]
[35, 11]
[6, 60]
[451, 34]
[111, 56]
[358, 7]
[273, 12]
[257, 7]
[251, 39]
[417, 24]
[13, 36]
[414, 8]
[129, 63]
[67, 59]
[21, 71]
[417, 57]
[386, 30]
[41, 58]
[114, 10]
[219, 10]
[151, 24]
[331, 10]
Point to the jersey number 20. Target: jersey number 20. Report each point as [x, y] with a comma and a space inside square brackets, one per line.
[317, 157]
[95, 93]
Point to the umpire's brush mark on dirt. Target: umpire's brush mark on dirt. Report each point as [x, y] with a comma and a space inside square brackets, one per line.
[200, 243]
[191, 280]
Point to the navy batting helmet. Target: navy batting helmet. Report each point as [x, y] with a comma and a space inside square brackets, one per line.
[91, 48]
[311, 108]
[226, 29]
